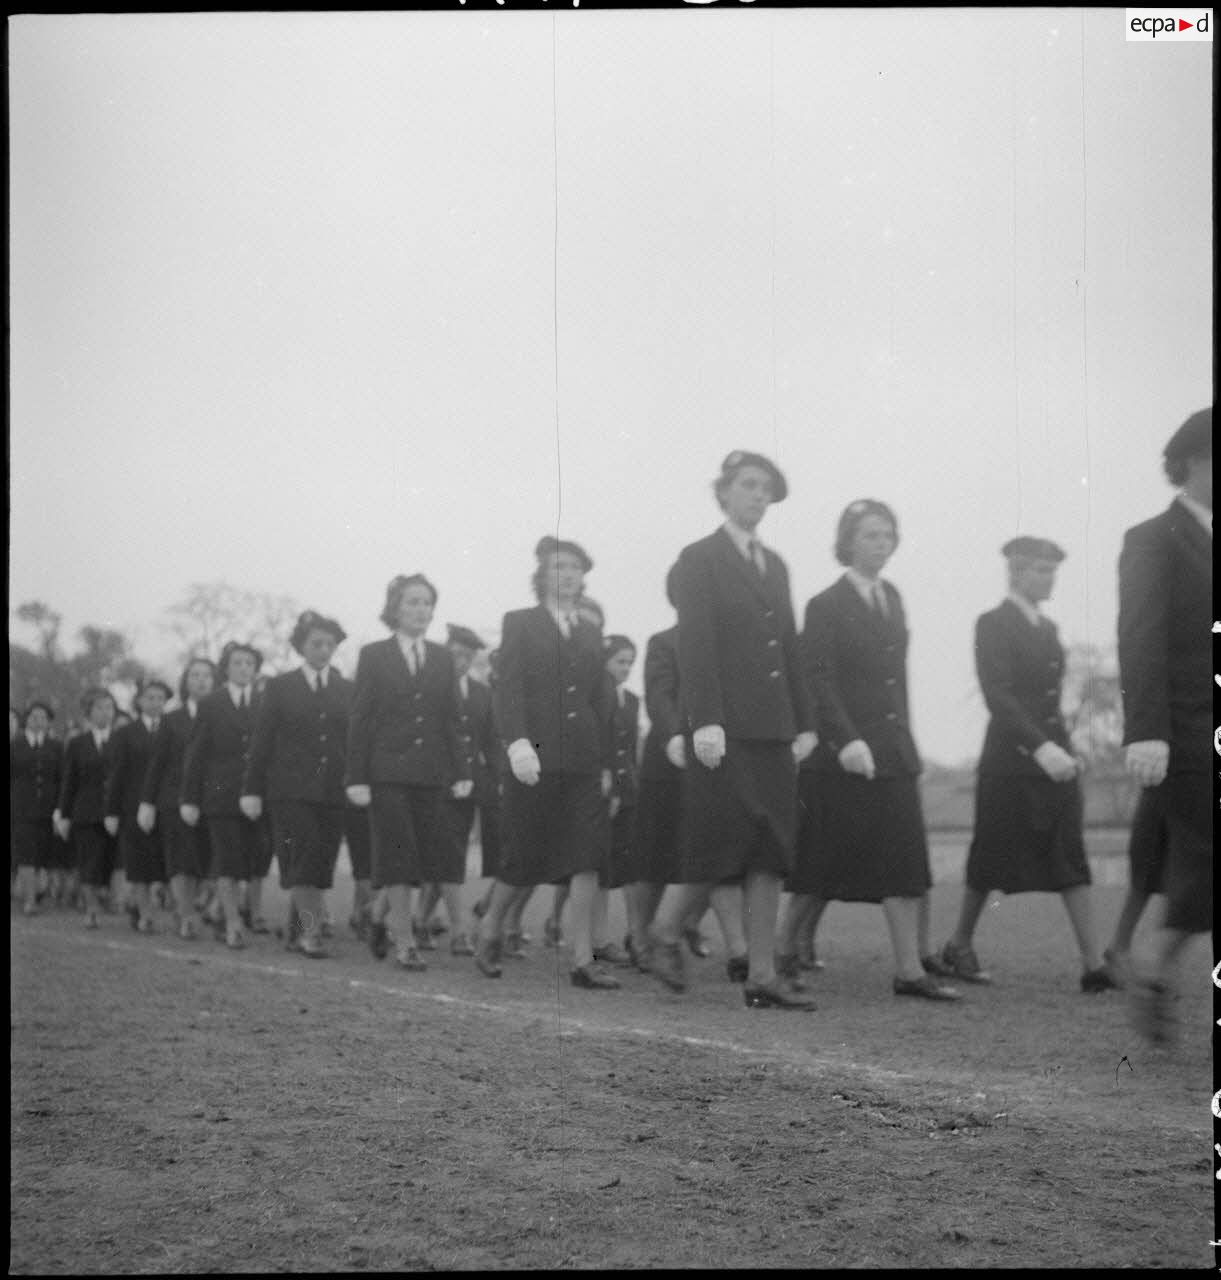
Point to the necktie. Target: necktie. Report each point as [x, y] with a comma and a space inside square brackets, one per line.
[878, 597]
[245, 698]
[418, 650]
[756, 557]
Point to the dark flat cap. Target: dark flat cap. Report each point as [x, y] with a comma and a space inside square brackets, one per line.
[1034, 549]
[740, 458]
[1194, 439]
[154, 683]
[35, 703]
[454, 634]
[549, 546]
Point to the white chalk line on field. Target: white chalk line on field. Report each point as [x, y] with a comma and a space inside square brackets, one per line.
[814, 1062]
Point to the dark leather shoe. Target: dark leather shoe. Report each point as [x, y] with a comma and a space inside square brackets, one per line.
[963, 964]
[513, 949]
[486, 956]
[612, 953]
[774, 996]
[379, 939]
[593, 977]
[933, 964]
[409, 958]
[1095, 980]
[737, 968]
[666, 964]
[133, 915]
[422, 937]
[926, 988]
[809, 961]
[788, 969]
[696, 944]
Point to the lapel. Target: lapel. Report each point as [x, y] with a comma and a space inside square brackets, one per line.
[739, 565]
[1195, 545]
[856, 608]
[396, 663]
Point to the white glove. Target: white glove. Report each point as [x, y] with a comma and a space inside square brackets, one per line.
[857, 758]
[1147, 761]
[61, 826]
[360, 794]
[146, 817]
[615, 805]
[1055, 762]
[608, 783]
[251, 807]
[709, 742]
[189, 813]
[462, 789]
[803, 744]
[523, 760]
[111, 824]
[676, 751]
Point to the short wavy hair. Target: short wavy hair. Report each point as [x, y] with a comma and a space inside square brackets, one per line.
[850, 520]
[394, 596]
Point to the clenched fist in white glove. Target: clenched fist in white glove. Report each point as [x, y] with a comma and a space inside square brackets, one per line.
[1056, 762]
[524, 761]
[676, 751]
[709, 743]
[857, 758]
[1147, 762]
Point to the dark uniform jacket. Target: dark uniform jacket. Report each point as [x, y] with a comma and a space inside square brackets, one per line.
[625, 734]
[477, 737]
[82, 791]
[299, 747]
[738, 656]
[34, 778]
[216, 753]
[1021, 669]
[162, 784]
[856, 662]
[661, 701]
[1165, 637]
[404, 727]
[552, 690]
[133, 750]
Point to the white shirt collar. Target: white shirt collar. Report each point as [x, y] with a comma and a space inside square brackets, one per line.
[741, 538]
[100, 737]
[464, 683]
[34, 738]
[1029, 611]
[149, 723]
[565, 619]
[1202, 513]
[192, 707]
[236, 691]
[863, 585]
[312, 676]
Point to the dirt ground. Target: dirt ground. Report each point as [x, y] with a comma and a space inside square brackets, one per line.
[179, 1107]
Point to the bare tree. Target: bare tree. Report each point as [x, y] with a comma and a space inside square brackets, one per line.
[213, 613]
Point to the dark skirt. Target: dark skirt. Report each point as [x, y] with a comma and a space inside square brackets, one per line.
[34, 844]
[1189, 857]
[554, 830]
[655, 840]
[96, 853]
[412, 840]
[141, 852]
[460, 814]
[307, 839]
[359, 841]
[617, 870]
[1149, 842]
[1027, 836]
[186, 850]
[490, 833]
[741, 816]
[860, 840]
[241, 849]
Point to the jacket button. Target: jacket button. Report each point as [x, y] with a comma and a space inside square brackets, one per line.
[775, 675]
[890, 715]
[771, 644]
[891, 680]
[419, 742]
[572, 688]
[572, 715]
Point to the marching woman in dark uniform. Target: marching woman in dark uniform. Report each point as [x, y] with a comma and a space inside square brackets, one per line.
[141, 851]
[554, 714]
[185, 849]
[81, 811]
[1028, 810]
[35, 769]
[403, 752]
[296, 765]
[479, 746]
[212, 786]
[489, 796]
[753, 720]
[616, 872]
[863, 837]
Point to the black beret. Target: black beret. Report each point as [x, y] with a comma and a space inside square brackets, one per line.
[1194, 439]
[455, 634]
[32, 705]
[613, 644]
[549, 546]
[312, 621]
[740, 458]
[237, 646]
[1033, 549]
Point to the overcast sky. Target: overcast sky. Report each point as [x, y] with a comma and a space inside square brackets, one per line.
[302, 301]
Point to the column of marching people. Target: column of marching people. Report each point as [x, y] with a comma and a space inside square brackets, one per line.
[776, 761]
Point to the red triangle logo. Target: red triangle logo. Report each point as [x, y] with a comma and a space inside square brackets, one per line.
[1185, 26]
